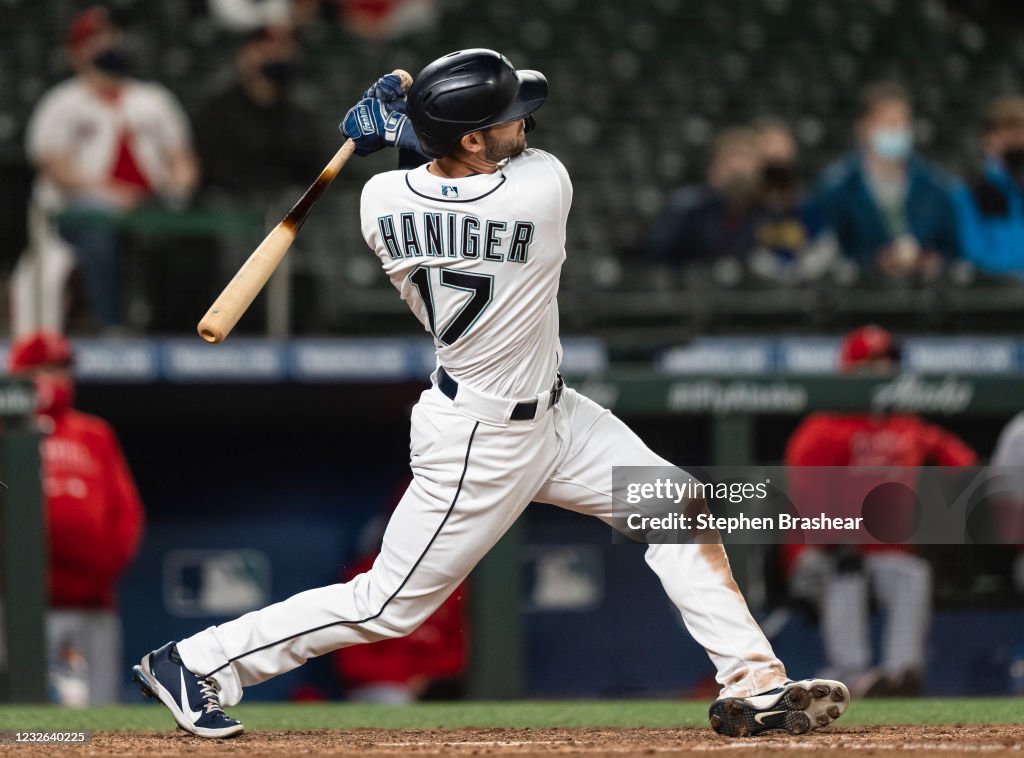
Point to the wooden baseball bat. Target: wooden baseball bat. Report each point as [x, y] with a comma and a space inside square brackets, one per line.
[255, 272]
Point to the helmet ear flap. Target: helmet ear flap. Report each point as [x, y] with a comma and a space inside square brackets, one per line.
[531, 123]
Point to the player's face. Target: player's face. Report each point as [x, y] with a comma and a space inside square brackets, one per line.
[504, 141]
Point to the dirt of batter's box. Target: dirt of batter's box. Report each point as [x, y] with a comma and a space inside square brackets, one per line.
[947, 741]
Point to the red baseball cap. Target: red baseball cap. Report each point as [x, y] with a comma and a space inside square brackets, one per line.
[85, 25]
[867, 343]
[43, 348]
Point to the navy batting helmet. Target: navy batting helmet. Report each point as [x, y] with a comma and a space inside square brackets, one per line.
[470, 90]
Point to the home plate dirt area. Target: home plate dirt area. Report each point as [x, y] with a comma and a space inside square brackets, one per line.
[931, 740]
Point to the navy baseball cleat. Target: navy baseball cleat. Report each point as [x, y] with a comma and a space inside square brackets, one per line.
[191, 699]
[795, 707]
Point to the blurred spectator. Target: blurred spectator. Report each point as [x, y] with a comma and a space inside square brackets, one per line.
[388, 19]
[105, 142]
[94, 520]
[429, 662]
[990, 206]
[790, 242]
[254, 140]
[888, 206]
[839, 578]
[708, 222]
[260, 148]
[250, 15]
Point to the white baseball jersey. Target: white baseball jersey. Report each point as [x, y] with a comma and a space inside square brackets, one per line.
[478, 259]
[74, 120]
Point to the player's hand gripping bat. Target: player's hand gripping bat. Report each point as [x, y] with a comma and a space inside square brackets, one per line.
[254, 273]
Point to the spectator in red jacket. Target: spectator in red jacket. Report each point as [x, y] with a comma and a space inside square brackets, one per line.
[94, 519]
[840, 577]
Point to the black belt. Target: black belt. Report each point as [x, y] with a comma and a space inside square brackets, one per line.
[525, 411]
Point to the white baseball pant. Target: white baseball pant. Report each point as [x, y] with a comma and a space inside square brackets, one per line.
[471, 481]
[902, 585]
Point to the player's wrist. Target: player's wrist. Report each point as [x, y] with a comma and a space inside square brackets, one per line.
[406, 138]
[372, 126]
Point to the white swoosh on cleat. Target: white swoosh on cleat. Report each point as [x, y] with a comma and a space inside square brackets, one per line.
[186, 708]
[760, 717]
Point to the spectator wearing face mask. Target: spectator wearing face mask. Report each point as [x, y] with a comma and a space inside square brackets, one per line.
[990, 205]
[94, 520]
[703, 223]
[889, 207]
[103, 141]
[259, 146]
[258, 116]
[791, 242]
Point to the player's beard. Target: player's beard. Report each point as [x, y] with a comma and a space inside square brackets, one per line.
[496, 150]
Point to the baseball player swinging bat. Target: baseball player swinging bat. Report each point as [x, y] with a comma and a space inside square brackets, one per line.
[256, 271]
[473, 238]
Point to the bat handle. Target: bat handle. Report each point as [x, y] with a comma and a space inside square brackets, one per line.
[297, 215]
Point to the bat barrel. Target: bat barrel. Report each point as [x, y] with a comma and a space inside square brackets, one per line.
[246, 285]
[210, 333]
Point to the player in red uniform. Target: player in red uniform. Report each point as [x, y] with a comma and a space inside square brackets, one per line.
[94, 519]
[900, 580]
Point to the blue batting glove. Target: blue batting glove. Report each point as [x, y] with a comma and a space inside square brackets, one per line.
[372, 126]
[388, 89]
